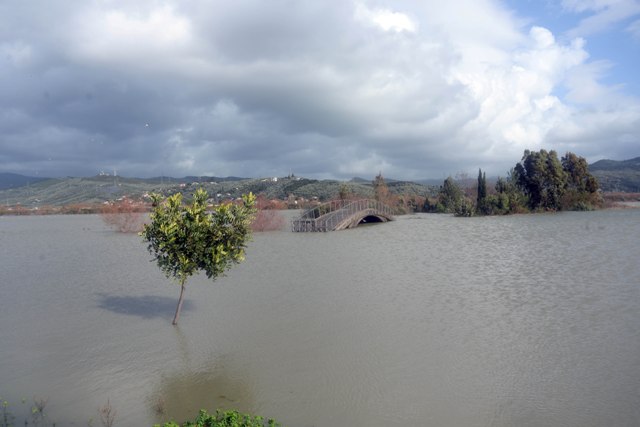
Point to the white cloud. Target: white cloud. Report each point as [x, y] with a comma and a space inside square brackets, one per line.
[518, 106]
[412, 88]
[542, 37]
[385, 19]
[144, 37]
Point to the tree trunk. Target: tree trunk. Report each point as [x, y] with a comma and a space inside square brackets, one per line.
[175, 318]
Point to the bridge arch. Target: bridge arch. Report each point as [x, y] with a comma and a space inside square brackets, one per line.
[370, 219]
[340, 215]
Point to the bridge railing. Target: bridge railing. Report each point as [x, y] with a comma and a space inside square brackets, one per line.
[327, 216]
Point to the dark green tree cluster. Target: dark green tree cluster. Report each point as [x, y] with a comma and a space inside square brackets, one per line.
[450, 196]
[581, 189]
[450, 199]
[539, 182]
[508, 198]
[540, 176]
[481, 200]
[551, 184]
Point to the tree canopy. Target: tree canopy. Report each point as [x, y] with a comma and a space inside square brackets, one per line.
[450, 196]
[553, 184]
[481, 199]
[187, 238]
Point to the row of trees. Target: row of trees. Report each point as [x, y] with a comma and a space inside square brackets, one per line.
[539, 182]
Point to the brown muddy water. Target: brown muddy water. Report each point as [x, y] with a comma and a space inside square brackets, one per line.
[431, 320]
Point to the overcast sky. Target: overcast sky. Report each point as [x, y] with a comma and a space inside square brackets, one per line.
[323, 88]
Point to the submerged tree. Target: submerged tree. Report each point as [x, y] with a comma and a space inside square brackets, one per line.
[581, 192]
[509, 198]
[481, 200]
[541, 177]
[450, 196]
[551, 184]
[380, 189]
[267, 217]
[188, 238]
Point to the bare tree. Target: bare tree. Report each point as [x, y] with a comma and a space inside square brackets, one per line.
[267, 218]
[125, 216]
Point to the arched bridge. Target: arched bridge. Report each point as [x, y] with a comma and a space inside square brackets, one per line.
[342, 214]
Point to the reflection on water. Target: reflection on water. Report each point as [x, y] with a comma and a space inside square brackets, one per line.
[216, 383]
[181, 394]
[429, 320]
[145, 306]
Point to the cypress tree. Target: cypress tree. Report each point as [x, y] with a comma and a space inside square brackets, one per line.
[482, 191]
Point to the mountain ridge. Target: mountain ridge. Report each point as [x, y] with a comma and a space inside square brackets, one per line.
[14, 180]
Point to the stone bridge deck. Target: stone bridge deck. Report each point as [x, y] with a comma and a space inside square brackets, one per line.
[342, 214]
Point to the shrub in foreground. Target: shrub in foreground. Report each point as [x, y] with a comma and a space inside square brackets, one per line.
[224, 419]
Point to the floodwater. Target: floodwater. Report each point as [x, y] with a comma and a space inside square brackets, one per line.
[430, 320]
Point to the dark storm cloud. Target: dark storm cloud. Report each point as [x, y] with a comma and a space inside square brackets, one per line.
[322, 89]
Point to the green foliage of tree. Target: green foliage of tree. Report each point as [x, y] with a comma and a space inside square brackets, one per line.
[465, 208]
[578, 175]
[185, 239]
[509, 199]
[482, 186]
[551, 184]
[581, 188]
[482, 206]
[450, 196]
[224, 419]
[541, 177]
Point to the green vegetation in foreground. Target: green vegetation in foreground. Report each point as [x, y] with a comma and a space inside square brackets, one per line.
[35, 414]
[224, 419]
[107, 416]
[185, 239]
[540, 182]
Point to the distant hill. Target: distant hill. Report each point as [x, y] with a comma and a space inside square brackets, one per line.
[98, 189]
[14, 180]
[616, 165]
[618, 175]
[359, 180]
[432, 181]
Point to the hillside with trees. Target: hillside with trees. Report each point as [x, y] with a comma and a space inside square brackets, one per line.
[52, 194]
[14, 180]
[618, 176]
